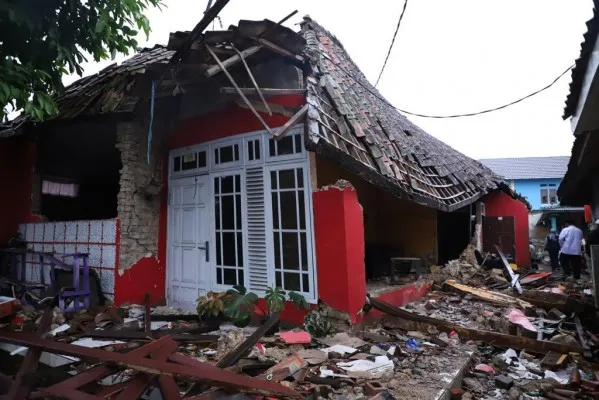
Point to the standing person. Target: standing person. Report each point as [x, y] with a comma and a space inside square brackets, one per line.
[552, 247]
[570, 240]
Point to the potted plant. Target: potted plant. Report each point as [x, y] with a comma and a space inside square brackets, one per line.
[241, 304]
[211, 308]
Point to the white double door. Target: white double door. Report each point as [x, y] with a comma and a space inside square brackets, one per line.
[189, 240]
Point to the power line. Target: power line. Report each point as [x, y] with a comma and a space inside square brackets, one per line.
[378, 96]
[494, 108]
[405, 4]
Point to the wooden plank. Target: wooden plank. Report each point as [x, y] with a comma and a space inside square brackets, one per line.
[19, 389]
[202, 373]
[265, 91]
[279, 50]
[206, 20]
[498, 339]
[232, 60]
[281, 132]
[254, 83]
[275, 108]
[490, 296]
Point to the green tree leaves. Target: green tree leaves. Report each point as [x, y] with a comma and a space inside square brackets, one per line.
[42, 41]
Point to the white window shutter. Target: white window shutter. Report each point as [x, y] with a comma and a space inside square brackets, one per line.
[256, 229]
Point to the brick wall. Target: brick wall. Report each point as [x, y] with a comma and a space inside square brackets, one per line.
[137, 212]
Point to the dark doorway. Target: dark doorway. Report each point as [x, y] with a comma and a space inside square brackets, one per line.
[453, 234]
[499, 231]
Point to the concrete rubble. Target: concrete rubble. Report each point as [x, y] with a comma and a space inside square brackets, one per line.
[462, 340]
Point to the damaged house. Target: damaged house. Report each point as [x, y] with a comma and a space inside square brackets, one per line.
[580, 186]
[253, 156]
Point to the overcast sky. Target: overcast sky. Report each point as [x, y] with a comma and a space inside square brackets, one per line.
[450, 57]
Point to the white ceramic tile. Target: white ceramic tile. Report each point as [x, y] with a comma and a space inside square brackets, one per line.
[47, 275]
[49, 232]
[48, 247]
[107, 280]
[29, 230]
[38, 247]
[38, 234]
[60, 232]
[59, 248]
[95, 232]
[69, 249]
[71, 236]
[82, 248]
[23, 230]
[82, 232]
[108, 256]
[95, 255]
[109, 231]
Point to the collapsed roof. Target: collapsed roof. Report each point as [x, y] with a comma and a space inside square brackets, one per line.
[351, 122]
[348, 121]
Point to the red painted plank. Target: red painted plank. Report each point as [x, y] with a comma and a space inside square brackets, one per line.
[203, 373]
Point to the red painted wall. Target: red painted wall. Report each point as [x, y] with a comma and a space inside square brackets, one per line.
[229, 122]
[17, 157]
[148, 275]
[500, 204]
[339, 236]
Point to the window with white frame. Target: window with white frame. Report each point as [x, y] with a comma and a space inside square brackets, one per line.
[228, 230]
[290, 241]
[549, 194]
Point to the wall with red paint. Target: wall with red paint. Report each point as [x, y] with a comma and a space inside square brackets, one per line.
[17, 156]
[148, 275]
[500, 204]
[339, 237]
[227, 122]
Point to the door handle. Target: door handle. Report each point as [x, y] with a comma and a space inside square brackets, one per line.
[206, 249]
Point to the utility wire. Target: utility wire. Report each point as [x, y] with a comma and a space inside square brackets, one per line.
[405, 4]
[378, 96]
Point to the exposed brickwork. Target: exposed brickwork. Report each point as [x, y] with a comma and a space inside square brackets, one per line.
[138, 213]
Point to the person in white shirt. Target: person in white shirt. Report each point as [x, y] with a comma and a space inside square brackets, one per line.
[570, 241]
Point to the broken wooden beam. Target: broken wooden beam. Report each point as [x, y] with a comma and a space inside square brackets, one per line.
[421, 322]
[138, 335]
[208, 17]
[69, 388]
[265, 91]
[19, 389]
[254, 83]
[489, 295]
[234, 355]
[232, 60]
[282, 131]
[203, 373]
[280, 51]
[245, 99]
[273, 107]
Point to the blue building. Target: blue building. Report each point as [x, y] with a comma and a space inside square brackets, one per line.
[537, 179]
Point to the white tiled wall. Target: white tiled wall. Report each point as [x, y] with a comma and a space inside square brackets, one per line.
[97, 238]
